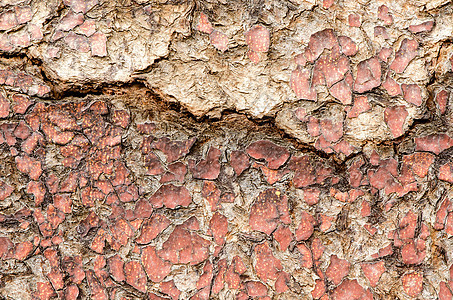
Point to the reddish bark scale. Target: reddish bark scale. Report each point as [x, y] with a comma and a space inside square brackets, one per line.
[373, 271]
[176, 172]
[239, 161]
[283, 236]
[70, 20]
[444, 291]
[268, 210]
[306, 227]
[258, 38]
[156, 268]
[361, 105]
[45, 290]
[301, 84]
[116, 264]
[422, 27]
[282, 282]
[348, 46]
[5, 190]
[395, 117]
[306, 259]
[412, 283]
[337, 270]
[267, 266]
[98, 45]
[406, 53]
[384, 15]
[327, 3]
[169, 288]
[173, 150]
[152, 228]
[171, 196]
[354, 20]
[324, 39]
[208, 168]
[219, 227]
[351, 290]
[445, 172]
[330, 68]
[135, 276]
[219, 40]
[442, 100]
[391, 86]
[412, 94]
[82, 6]
[274, 155]
[385, 53]
[29, 166]
[77, 42]
[368, 75]
[23, 250]
[319, 289]
[435, 143]
[204, 25]
[256, 289]
[185, 246]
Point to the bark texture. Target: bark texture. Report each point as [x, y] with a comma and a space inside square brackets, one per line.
[226, 149]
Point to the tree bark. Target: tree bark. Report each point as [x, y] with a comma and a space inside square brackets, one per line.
[226, 149]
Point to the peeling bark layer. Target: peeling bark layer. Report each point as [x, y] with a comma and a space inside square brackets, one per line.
[237, 150]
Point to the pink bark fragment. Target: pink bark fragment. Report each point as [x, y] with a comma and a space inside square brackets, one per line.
[171, 196]
[77, 42]
[368, 75]
[239, 161]
[350, 290]
[306, 227]
[301, 84]
[267, 266]
[412, 93]
[4, 107]
[152, 228]
[283, 236]
[184, 245]
[337, 270]
[208, 168]
[348, 46]
[274, 155]
[70, 20]
[5, 190]
[391, 86]
[135, 276]
[442, 100]
[219, 40]
[406, 53]
[412, 283]
[361, 105]
[98, 44]
[435, 143]
[204, 25]
[423, 27]
[156, 268]
[373, 271]
[354, 20]
[268, 210]
[384, 15]
[88, 27]
[395, 117]
[446, 172]
[258, 38]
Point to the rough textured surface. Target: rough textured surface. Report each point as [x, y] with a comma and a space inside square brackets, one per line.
[226, 150]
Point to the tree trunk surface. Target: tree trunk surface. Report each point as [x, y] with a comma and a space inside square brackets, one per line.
[283, 149]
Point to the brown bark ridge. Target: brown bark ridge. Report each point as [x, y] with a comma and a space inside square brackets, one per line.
[226, 149]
